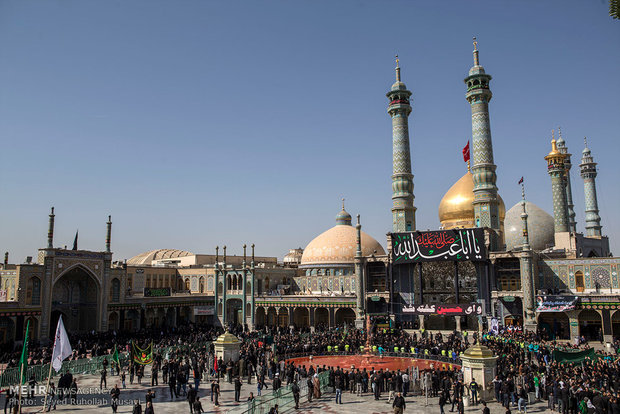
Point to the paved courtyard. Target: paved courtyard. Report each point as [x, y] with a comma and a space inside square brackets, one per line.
[100, 402]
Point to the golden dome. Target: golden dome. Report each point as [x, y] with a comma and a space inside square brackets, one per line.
[456, 209]
[227, 338]
[338, 246]
[478, 352]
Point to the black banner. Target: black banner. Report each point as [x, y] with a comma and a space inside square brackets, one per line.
[156, 292]
[445, 310]
[440, 245]
[555, 303]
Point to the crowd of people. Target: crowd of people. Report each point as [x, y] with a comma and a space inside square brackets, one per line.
[526, 369]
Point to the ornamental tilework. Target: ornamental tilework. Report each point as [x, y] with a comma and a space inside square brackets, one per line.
[559, 203]
[614, 277]
[601, 276]
[588, 281]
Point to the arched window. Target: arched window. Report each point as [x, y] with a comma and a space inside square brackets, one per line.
[210, 284]
[33, 292]
[235, 282]
[267, 284]
[187, 284]
[115, 290]
[229, 282]
[201, 284]
[248, 288]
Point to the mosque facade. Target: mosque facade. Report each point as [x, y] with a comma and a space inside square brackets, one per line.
[536, 271]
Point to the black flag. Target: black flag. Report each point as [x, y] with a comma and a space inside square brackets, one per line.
[75, 241]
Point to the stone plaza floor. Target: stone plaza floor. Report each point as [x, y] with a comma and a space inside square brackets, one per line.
[100, 402]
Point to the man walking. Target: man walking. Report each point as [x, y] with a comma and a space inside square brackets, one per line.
[191, 398]
[399, 404]
[295, 389]
[237, 389]
[338, 387]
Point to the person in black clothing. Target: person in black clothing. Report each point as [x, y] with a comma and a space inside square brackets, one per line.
[191, 398]
[115, 393]
[149, 397]
[442, 402]
[399, 404]
[473, 386]
[277, 383]
[103, 383]
[310, 389]
[295, 389]
[172, 384]
[237, 389]
[485, 409]
[137, 408]
[216, 393]
[198, 406]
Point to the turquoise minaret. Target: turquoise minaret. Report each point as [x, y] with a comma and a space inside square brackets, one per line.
[403, 211]
[572, 223]
[525, 259]
[588, 173]
[359, 286]
[555, 168]
[486, 203]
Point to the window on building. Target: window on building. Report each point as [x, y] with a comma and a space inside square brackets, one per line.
[148, 281]
[187, 288]
[130, 281]
[201, 284]
[115, 290]
[33, 292]
[210, 284]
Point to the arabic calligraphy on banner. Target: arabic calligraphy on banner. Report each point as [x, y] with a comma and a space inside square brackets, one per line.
[555, 303]
[449, 309]
[431, 246]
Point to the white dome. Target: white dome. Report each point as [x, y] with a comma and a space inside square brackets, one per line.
[539, 225]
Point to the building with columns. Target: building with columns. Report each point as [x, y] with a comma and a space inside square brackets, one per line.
[532, 261]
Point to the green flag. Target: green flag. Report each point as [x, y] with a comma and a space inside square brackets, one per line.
[115, 355]
[23, 361]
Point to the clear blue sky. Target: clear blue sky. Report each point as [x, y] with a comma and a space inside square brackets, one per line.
[203, 123]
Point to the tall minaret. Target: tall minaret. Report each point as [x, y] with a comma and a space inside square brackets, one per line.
[403, 211]
[525, 259]
[555, 168]
[486, 203]
[588, 173]
[359, 285]
[572, 224]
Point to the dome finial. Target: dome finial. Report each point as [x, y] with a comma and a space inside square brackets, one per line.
[476, 59]
[343, 217]
[585, 142]
[397, 69]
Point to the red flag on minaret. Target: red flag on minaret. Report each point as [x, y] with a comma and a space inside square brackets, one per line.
[466, 152]
[521, 180]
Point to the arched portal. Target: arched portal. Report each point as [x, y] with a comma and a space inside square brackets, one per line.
[132, 320]
[554, 325]
[234, 311]
[76, 294]
[345, 316]
[271, 316]
[283, 317]
[7, 330]
[301, 317]
[113, 321]
[259, 316]
[590, 325]
[321, 317]
[34, 328]
[615, 324]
